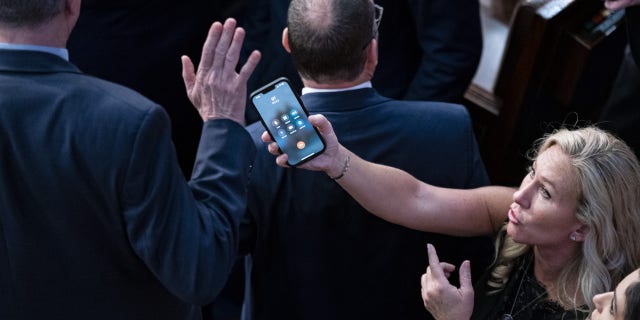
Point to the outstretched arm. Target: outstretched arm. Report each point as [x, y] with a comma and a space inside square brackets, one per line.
[399, 198]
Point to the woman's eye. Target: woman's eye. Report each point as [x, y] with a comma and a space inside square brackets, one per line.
[612, 309]
[545, 193]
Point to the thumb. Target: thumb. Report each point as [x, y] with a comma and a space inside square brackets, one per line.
[324, 127]
[319, 121]
[188, 73]
[465, 276]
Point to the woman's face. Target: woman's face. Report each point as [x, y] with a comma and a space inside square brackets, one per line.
[543, 212]
[611, 305]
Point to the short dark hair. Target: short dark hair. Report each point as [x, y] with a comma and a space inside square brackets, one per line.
[632, 310]
[327, 37]
[24, 13]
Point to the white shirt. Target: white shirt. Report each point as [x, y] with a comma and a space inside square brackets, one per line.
[366, 84]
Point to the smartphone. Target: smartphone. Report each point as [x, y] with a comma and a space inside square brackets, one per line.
[286, 119]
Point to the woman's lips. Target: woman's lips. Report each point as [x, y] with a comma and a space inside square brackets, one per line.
[512, 217]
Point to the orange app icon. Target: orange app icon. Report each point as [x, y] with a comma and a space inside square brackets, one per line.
[301, 145]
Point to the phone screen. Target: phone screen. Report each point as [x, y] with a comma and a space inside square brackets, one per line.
[286, 119]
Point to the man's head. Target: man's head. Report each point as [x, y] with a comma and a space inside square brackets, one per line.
[329, 40]
[27, 13]
[38, 22]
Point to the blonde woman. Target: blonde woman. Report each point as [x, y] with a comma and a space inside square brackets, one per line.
[569, 234]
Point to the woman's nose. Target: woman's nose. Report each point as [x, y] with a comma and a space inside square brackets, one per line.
[600, 301]
[523, 194]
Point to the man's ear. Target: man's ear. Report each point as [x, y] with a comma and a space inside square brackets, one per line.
[71, 13]
[372, 57]
[72, 7]
[285, 40]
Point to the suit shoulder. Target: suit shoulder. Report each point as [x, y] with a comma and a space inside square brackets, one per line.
[115, 98]
[443, 111]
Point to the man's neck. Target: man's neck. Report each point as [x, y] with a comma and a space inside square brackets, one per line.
[334, 84]
[47, 34]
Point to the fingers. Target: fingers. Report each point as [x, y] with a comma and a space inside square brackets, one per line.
[222, 48]
[434, 264]
[250, 65]
[188, 75]
[233, 55]
[423, 287]
[282, 159]
[210, 44]
[274, 149]
[465, 276]
[266, 137]
[447, 268]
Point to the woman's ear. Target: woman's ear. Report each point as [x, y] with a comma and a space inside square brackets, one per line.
[580, 234]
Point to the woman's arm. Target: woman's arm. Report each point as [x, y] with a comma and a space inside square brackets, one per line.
[399, 198]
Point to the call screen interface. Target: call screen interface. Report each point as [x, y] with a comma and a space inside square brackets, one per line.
[287, 122]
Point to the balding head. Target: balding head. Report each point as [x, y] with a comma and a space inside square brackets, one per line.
[327, 38]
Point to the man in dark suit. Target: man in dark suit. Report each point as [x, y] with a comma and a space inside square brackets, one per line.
[314, 252]
[429, 49]
[97, 221]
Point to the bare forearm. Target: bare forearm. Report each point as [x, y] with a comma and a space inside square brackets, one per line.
[398, 197]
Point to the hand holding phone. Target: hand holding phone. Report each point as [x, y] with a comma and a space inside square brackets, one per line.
[286, 120]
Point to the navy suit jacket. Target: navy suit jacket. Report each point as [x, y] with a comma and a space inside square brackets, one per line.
[97, 220]
[317, 254]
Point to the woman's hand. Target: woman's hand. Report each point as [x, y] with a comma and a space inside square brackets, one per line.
[331, 161]
[443, 300]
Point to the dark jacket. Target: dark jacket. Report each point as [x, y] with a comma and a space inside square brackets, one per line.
[317, 254]
[97, 221]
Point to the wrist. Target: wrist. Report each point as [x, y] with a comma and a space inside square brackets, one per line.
[340, 166]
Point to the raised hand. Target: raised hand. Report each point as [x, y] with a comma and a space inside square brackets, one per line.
[216, 89]
[443, 300]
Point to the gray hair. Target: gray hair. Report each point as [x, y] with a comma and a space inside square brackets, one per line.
[327, 37]
[27, 13]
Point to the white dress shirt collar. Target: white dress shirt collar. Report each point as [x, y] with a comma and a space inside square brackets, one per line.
[366, 84]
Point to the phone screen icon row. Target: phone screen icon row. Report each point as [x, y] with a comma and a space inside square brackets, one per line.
[288, 123]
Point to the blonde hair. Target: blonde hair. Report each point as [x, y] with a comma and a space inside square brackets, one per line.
[608, 184]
